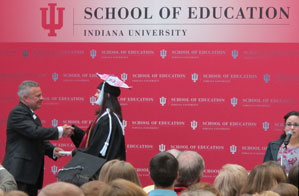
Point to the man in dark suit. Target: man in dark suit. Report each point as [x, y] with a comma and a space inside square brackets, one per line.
[27, 141]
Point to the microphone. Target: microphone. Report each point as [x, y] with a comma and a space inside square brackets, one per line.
[288, 137]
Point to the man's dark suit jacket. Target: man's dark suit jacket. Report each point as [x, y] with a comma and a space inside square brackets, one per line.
[26, 144]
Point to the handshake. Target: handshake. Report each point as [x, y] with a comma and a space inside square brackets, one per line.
[67, 130]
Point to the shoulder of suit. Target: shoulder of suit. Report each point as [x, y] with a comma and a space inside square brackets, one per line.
[21, 107]
[278, 141]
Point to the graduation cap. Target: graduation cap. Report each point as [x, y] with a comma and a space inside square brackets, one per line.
[81, 168]
[111, 85]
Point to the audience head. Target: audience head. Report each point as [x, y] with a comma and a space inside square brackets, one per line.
[197, 193]
[61, 189]
[122, 187]
[93, 188]
[266, 193]
[191, 167]
[16, 193]
[205, 187]
[293, 176]
[285, 189]
[174, 152]
[118, 169]
[260, 179]
[105, 168]
[231, 179]
[163, 169]
[277, 171]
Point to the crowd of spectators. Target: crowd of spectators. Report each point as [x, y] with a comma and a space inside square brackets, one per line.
[173, 173]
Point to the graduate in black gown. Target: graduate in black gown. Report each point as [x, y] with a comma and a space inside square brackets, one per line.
[105, 135]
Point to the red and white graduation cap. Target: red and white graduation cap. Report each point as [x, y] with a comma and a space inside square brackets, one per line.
[113, 80]
[111, 85]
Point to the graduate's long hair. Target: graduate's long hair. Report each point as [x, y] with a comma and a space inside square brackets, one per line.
[110, 101]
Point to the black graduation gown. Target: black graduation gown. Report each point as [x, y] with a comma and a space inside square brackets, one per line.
[116, 148]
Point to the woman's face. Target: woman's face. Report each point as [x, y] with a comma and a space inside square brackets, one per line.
[292, 124]
[97, 94]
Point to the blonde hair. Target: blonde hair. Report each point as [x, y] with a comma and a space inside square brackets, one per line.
[231, 179]
[15, 193]
[122, 187]
[119, 169]
[61, 189]
[266, 193]
[93, 188]
[277, 171]
[285, 189]
[260, 179]
[202, 186]
[197, 193]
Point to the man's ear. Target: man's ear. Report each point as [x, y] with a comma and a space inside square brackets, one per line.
[25, 97]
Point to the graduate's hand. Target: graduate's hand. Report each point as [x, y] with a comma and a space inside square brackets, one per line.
[67, 130]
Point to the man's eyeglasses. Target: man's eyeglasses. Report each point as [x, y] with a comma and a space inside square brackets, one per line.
[296, 125]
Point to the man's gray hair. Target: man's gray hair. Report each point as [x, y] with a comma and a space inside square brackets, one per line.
[191, 167]
[25, 88]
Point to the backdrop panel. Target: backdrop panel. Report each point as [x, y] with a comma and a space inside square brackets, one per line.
[211, 76]
[224, 100]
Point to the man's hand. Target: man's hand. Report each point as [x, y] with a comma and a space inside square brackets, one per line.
[56, 152]
[67, 130]
[59, 152]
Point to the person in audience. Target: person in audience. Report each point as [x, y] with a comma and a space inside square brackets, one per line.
[105, 168]
[27, 140]
[105, 136]
[174, 152]
[114, 169]
[163, 171]
[93, 188]
[285, 189]
[196, 193]
[61, 189]
[231, 179]
[266, 193]
[293, 176]
[7, 181]
[259, 179]
[191, 167]
[16, 193]
[1, 192]
[277, 171]
[122, 187]
[205, 187]
[288, 154]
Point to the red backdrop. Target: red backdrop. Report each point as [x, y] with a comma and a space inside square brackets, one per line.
[224, 100]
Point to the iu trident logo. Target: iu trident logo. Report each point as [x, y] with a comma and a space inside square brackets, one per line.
[52, 26]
